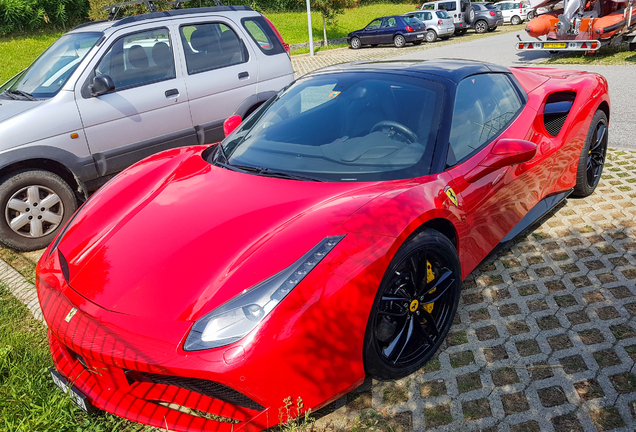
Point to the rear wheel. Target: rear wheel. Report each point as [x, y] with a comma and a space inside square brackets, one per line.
[414, 307]
[399, 41]
[592, 158]
[431, 36]
[530, 16]
[515, 20]
[481, 26]
[35, 204]
[355, 43]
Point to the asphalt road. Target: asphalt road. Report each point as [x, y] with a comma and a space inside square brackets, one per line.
[501, 50]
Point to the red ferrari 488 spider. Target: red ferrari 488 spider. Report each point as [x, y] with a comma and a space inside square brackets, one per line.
[324, 239]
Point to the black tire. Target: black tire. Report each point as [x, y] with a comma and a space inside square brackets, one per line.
[399, 41]
[481, 26]
[355, 43]
[530, 16]
[492, 29]
[515, 20]
[389, 353]
[469, 15]
[592, 158]
[431, 36]
[460, 32]
[23, 195]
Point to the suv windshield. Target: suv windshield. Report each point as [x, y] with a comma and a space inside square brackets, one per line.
[50, 71]
[341, 127]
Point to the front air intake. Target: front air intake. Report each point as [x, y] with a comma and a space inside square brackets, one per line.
[557, 108]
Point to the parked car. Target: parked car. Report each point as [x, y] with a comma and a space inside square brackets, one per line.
[483, 17]
[455, 9]
[438, 23]
[108, 94]
[395, 29]
[514, 12]
[392, 180]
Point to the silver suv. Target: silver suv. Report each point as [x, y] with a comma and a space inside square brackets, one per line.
[107, 94]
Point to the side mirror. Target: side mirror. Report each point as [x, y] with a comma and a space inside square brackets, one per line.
[101, 85]
[504, 153]
[231, 123]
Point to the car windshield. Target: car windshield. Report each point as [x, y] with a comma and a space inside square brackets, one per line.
[442, 14]
[50, 71]
[343, 127]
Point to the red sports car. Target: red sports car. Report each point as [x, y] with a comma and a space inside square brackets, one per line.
[324, 239]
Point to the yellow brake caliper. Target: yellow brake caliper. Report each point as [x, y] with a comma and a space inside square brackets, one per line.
[429, 277]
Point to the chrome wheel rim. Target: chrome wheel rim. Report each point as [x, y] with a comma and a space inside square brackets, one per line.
[34, 211]
[430, 37]
[596, 155]
[481, 27]
[355, 43]
[399, 41]
[414, 311]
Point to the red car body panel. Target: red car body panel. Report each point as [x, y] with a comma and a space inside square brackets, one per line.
[134, 310]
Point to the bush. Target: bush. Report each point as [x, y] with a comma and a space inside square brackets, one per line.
[24, 15]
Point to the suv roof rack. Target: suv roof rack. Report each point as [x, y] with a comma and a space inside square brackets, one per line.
[113, 9]
[178, 12]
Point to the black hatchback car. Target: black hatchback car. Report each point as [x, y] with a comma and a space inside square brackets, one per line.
[395, 29]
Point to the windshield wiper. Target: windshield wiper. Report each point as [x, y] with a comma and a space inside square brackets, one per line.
[24, 94]
[267, 172]
[9, 95]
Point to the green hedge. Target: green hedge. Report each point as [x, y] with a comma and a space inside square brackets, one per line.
[26, 15]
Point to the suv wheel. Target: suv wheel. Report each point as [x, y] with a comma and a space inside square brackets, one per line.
[530, 16]
[515, 20]
[481, 26]
[399, 41]
[431, 36]
[35, 205]
[355, 43]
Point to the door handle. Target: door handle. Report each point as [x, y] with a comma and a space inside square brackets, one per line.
[243, 75]
[172, 92]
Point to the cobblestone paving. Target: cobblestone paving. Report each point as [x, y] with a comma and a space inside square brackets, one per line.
[545, 337]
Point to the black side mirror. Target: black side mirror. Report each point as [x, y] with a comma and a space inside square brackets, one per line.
[101, 85]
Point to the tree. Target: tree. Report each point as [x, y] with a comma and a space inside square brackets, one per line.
[329, 9]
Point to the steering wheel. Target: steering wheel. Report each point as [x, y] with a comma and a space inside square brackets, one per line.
[391, 128]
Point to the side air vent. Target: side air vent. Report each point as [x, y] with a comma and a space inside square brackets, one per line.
[206, 388]
[557, 108]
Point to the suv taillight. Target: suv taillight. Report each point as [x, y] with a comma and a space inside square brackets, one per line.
[280, 38]
[492, 13]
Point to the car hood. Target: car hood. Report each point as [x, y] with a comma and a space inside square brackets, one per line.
[174, 237]
[10, 108]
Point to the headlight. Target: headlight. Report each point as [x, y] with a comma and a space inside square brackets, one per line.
[231, 321]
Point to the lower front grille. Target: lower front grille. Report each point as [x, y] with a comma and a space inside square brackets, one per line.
[206, 388]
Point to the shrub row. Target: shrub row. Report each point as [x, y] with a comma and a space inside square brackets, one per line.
[25, 15]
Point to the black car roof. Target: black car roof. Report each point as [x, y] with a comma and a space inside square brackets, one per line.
[452, 69]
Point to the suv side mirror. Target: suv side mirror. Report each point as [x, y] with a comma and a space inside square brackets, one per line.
[504, 153]
[231, 123]
[101, 85]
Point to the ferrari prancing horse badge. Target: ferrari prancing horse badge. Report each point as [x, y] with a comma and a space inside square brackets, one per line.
[451, 195]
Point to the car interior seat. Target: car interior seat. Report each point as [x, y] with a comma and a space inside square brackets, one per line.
[231, 52]
[162, 57]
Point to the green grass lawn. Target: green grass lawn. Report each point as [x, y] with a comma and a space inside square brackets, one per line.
[28, 399]
[614, 55]
[293, 26]
[18, 52]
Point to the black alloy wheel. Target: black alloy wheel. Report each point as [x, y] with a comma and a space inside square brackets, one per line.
[592, 158]
[414, 308]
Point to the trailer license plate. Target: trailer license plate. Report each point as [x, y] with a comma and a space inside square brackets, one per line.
[554, 45]
[77, 397]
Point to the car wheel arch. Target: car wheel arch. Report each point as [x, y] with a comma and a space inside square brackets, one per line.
[604, 106]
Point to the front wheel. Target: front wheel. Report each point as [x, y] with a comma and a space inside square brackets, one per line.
[36, 204]
[592, 158]
[399, 41]
[431, 36]
[355, 43]
[481, 26]
[414, 307]
[515, 20]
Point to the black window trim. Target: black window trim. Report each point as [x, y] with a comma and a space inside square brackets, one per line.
[86, 94]
[274, 37]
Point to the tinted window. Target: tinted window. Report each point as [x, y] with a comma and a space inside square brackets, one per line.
[381, 126]
[374, 25]
[442, 14]
[211, 46]
[484, 105]
[449, 6]
[388, 22]
[261, 32]
[139, 59]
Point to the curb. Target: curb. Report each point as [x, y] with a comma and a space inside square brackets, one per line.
[21, 289]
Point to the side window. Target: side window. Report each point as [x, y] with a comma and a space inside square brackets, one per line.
[211, 46]
[261, 32]
[139, 59]
[464, 5]
[388, 22]
[374, 25]
[429, 6]
[428, 16]
[449, 6]
[484, 105]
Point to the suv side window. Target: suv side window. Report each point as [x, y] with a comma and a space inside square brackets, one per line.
[484, 105]
[448, 6]
[389, 22]
[211, 46]
[138, 59]
[261, 33]
[429, 6]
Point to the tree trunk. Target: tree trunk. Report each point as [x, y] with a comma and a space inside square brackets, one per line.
[324, 30]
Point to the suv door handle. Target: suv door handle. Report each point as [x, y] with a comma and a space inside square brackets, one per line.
[172, 92]
[243, 75]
